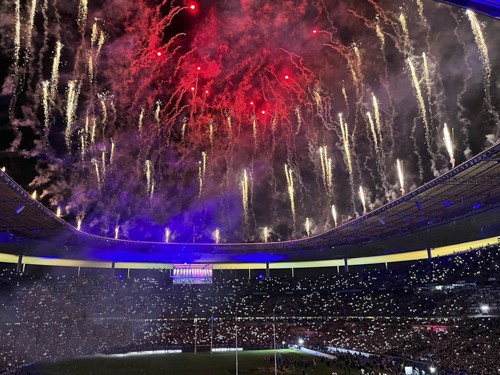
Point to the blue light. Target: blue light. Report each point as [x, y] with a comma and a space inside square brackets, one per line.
[447, 204]
[476, 206]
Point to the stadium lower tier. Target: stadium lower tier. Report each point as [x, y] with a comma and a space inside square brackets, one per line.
[442, 311]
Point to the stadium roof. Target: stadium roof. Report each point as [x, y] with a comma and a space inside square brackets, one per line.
[467, 192]
[488, 7]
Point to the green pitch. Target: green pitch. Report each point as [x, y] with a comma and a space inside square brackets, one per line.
[250, 362]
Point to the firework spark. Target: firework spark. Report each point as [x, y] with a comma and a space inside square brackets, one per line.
[448, 141]
[399, 167]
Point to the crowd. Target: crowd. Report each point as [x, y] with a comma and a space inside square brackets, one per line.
[432, 311]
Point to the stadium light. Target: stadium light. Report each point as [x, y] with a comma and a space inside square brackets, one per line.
[301, 341]
[432, 369]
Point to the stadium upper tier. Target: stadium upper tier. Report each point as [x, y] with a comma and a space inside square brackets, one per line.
[461, 205]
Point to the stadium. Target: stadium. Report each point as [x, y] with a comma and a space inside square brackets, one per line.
[257, 187]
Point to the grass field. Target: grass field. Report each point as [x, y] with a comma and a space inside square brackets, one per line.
[250, 362]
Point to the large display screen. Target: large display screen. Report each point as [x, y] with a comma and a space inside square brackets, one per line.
[192, 274]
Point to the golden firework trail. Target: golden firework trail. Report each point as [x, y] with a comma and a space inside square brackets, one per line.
[374, 133]
[183, 129]
[141, 120]
[229, 125]
[334, 214]
[83, 147]
[54, 79]
[117, 232]
[329, 176]
[380, 35]
[102, 99]
[3, 169]
[97, 173]
[291, 190]
[46, 108]
[58, 212]
[29, 29]
[94, 35]
[480, 41]
[34, 195]
[427, 77]
[112, 153]
[17, 35]
[148, 169]
[167, 235]
[404, 27]
[202, 170]
[245, 194]
[326, 170]
[100, 43]
[92, 135]
[103, 166]
[254, 127]
[266, 234]
[378, 122]
[308, 227]
[322, 157]
[449, 144]
[217, 235]
[317, 98]
[82, 15]
[362, 198]
[157, 113]
[399, 167]
[211, 133]
[79, 223]
[347, 148]
[420, 6]
[421, 102]
[91, 67]
[72, 94]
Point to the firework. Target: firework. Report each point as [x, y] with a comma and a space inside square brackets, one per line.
[480, 40]
[308, 227]
[112, 153]
[421, 103]
[58, 212]
[79, 223]
[347, 148]
[17, 35]
[117, 231]
[97, 173]
[148, 169]
[266, 234]
[167, 235]
[34, 195]
[399, 167]
[449, 144]
[427, 78]
[46, 108]
[217, 235]
[244, 194]
[82, 14]
[374, 132]
[362, 198]
[291, 190]
[404, 28]
[334, 214]
[141, 120]
[29, 29]
[157, 113]
[380, 35]
[54, 80]
[202, 170]
[72, 94]
[378, 121]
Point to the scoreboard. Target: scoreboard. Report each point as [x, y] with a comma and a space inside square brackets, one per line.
[192, 274]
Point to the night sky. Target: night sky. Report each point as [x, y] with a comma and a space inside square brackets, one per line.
[200, 115]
